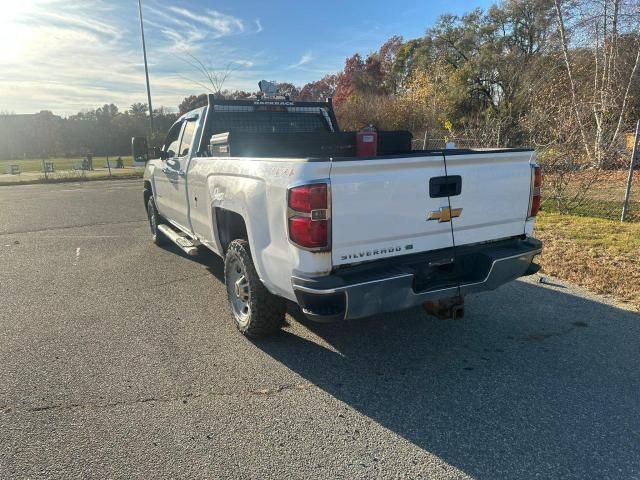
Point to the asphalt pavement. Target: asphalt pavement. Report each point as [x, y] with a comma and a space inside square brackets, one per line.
[119, 359]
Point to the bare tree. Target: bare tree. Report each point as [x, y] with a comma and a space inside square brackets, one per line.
[212, 80]
[592, 34]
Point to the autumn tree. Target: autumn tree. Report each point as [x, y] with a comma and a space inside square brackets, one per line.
[288, 89]
[192, 102]
[387, 56]
[319, 90]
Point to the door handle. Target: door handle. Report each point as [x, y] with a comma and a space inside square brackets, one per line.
[171, 171]
[447, 186]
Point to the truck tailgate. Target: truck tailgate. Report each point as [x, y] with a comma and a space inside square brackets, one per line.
[494, 197]
[379, 208]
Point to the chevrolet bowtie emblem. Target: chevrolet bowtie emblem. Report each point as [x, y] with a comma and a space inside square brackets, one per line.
[445, 214]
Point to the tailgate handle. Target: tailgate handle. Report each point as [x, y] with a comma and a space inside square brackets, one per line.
[448, 186]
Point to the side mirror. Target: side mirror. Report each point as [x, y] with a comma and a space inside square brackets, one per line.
[156, 152]
[140, 149]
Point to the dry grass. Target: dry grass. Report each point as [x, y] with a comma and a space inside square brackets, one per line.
[606, 184]
[70, 176]
[603, 198]
[602, 256]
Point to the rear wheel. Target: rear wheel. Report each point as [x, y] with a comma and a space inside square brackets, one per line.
[154, 221]
[256, 311]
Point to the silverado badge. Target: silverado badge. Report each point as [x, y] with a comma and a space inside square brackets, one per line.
[444, 214]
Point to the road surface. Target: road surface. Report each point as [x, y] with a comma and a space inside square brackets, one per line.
[118, 359]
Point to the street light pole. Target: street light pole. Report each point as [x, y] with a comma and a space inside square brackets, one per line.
[146, 68]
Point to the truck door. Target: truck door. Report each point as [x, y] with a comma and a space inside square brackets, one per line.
[171, 183]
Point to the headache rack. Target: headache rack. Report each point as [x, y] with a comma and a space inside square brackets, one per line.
[270, 116]
[278, 127]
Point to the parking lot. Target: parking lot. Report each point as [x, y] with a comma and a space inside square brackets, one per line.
[119, 359]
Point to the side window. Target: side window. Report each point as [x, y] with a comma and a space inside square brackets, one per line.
[187, 138]
[173, 140]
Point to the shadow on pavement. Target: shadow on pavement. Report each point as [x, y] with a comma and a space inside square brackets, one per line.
[534, 383]
[204, 257]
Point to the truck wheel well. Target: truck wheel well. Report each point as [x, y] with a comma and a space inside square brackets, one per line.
[147, 193]
[231, 226]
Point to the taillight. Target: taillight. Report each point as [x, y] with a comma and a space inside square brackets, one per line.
[308, 233]
[309, 216]
[534, 203]
[307, 198]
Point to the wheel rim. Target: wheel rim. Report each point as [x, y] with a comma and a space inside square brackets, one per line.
[239, 291]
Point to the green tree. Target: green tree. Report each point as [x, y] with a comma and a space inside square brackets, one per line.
[138, 109]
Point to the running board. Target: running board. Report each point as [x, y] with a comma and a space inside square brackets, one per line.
[186, 245]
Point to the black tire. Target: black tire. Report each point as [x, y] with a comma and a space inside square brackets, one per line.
[256, 311]
[154, 220]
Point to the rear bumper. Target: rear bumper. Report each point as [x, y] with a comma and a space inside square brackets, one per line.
[387, 286]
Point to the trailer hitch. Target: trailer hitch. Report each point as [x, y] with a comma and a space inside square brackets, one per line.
[446, 308]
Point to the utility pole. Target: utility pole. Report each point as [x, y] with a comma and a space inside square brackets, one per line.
[146, 68]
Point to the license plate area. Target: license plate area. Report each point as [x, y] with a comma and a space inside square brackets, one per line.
[435, 275]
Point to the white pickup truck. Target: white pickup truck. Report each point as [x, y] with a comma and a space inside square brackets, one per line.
[342, 236]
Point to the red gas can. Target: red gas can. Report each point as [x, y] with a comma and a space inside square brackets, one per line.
[367, 142]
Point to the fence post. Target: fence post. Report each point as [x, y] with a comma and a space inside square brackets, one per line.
[632, 164]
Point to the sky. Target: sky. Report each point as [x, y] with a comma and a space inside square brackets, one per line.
[68, 56]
